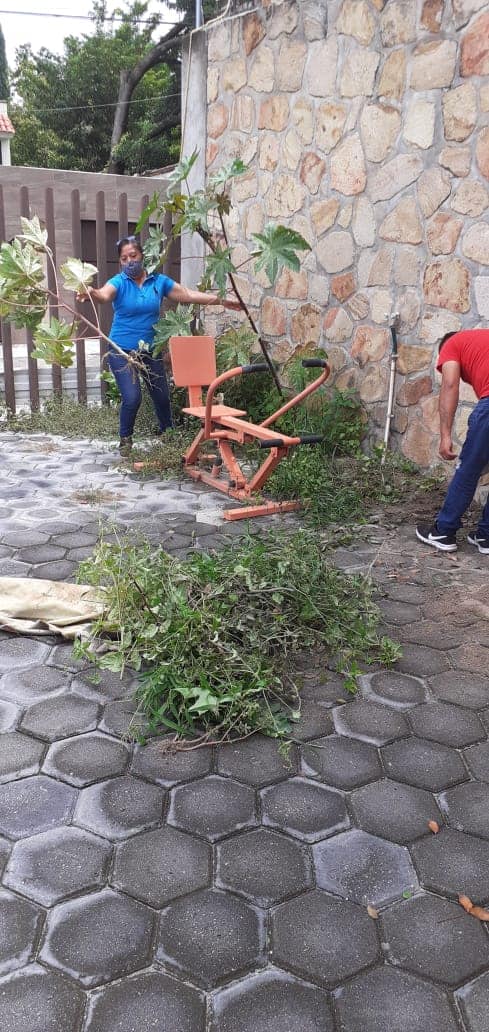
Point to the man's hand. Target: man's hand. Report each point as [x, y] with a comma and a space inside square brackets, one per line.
[233, 306]
[446, 449]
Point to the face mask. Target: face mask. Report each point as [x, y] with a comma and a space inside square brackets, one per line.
[134, 269]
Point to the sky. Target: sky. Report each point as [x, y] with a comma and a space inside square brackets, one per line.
[36, 27]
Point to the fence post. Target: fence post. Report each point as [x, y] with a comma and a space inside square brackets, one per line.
[6, 331]
[76, 239]
[101, 242]
[25, 211]
[51, 276]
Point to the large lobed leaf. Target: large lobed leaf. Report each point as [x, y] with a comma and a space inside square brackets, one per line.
[77, 274]
[33, 233]
[277, 249]
[54, 343]
[20, 266]
[218, 267]
[175, 323]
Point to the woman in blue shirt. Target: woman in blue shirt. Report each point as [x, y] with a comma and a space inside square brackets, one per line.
[136, 299]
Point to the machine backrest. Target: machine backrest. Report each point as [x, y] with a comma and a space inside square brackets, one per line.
[193, 361]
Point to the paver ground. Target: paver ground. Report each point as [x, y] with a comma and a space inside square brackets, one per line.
[229, 890]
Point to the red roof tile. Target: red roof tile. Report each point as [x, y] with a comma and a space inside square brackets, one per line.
[6, 125]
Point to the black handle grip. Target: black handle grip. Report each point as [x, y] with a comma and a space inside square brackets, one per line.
[394, 340]
[314, 363]
[273, 442]
[311, 438]
[257, 367]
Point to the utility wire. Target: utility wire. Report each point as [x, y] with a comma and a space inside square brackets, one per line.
[87, 17]
[89, 107]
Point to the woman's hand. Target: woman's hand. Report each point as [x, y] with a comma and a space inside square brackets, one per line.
[83, 295]
[234, 306]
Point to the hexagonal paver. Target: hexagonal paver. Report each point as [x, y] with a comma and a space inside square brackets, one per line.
[341, 762]
[40, 553]
[60, 717]
[304, 809]
[430, 633]
[20, 924]
[394, 811]
[453, 863]
[421, 661]
[385, 1000]
[450, 725]
[424, 764]
[397, 690]
[462, 688]
[40, 1001]
[467, 808]
[105, 685]
[323, 939]
[398, 612]
[147, 1001]
[99, 937]
[29, 685]
[271, 1002]
[160, 865]
[19, 756]
[435, 939]
[21, 652]
[120, 807]
[57, 864]
[477, 759]
[472, 1000]
[213, 807]
[59, 570]
[122, 718]
[370, 722]
[315, 721]
[34, 804]
[9, 716]
[472, 657]
[363, 868]
[211, 937]
[170, 768]
[256, 761]
[263, 866]
[87, 758]
[4, 854]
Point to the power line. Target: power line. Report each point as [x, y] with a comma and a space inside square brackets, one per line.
[87, 17]
[88, 107]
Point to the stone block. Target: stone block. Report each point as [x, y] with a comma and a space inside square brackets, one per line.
[302, 118]
[50, 1001]
[356, 19]
[86, 758]
[256, 761]
[471, 198]
[433, 188]
[261, 77]
[393, 810]
[419, 127]
[150, 999]
[212, 807]
[274, 113]
[263, 866]
[451, 862]
[330, 122]
[120, 807]
[443, 233]
[447, 284]
[20, 756]
[306, 325]
[459, 111]
[290, 66]
[363, 868]
[482, 152]
[433, 65]
[475, 243]
[335, 251]
[457, 160]
[467, 808]
[337, 325]
[348, 172]
[379, 126]
[393, 75]
[388, 993]
[358, 72]
[312, 171]
[398, 23]
[474, 55]
[304, 809]
[370, 722]
[253, 31]
[274, 1000]
[425, 764]
[57, 864]
[431, 15]
[285, 197]
[447, 724]
[20, 925]
[322, 62]
[34, 804]
[402, 225]
[394, 176]
[273, 317]
[369, 345]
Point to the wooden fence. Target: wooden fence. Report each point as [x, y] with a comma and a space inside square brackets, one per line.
[70, 233]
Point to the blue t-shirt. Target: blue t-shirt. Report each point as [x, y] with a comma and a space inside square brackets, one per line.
[137, 309]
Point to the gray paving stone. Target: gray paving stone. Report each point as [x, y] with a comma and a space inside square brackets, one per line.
[473, 1000]
[19, 756]
[4, 854]
[21, 538]
[105, 686]
[121, 718]
[323, 939]
[6, 551]
[57, 864]
[21, 652]
[20, 925]
[304, 809]
[62, 656]
[36, 682]
[327, 693]
[423, 763]
[36, 554]
[211, 937]
[462, 688]
[34, 804]
[86, 758]
[120, 807]
[477, 760]
[421, 661]
[385, 1000]
[212, 807]
[435, 939]
[99, 937]
[370, 722]
[467, 808]
[271, 1002]
[77, 539]
[432, 634]
[156, 763]
[60, 717]
[453, 863]
[397, 612]
[398, 690]
[393, 810]
[315, 722]
[450, 725]
[149, 1002]
[161, 865]
[263, 866]
[363, 868]
[58, 570]
[256, 761]
[340, 761]
[37, 1000]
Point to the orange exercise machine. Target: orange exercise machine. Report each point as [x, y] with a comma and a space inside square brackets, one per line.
[193, 361]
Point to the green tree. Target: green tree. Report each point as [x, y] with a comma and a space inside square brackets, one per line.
[4, 73]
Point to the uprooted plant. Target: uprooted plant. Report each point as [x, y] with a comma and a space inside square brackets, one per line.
[214, 636]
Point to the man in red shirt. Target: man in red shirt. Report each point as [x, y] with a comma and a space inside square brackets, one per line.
[465, 356]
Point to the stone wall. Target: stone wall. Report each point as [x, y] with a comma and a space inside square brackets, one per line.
[365, 124]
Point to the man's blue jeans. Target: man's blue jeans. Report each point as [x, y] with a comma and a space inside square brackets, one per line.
[128, 382]
[473, 458]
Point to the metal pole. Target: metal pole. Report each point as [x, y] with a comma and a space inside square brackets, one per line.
[392, 378]
[198, 14]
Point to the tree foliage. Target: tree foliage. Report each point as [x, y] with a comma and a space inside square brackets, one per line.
[4, 72]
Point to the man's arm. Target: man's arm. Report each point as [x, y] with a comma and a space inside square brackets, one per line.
[450, 385]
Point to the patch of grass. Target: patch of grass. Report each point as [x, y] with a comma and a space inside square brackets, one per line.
[165, 456]
[214, 636]
[64, 416]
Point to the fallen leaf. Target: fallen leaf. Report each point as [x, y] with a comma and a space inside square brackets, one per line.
[466, 903]
[434, 827]
[407, 894]
[372, 912]
[479, 913]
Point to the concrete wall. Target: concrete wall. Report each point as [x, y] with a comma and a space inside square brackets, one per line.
[365, 124]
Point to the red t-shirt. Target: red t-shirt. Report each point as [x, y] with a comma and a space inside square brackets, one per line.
[470, 348]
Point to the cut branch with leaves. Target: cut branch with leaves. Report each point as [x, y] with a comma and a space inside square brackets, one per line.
[204, 212]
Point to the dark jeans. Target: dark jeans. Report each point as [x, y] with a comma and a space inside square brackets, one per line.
[473, 458]
[128, 382]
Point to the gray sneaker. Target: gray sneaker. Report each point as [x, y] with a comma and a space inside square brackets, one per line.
[479, 540]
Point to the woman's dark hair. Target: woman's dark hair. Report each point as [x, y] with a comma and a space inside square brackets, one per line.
[128, 240]
[445, 338]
